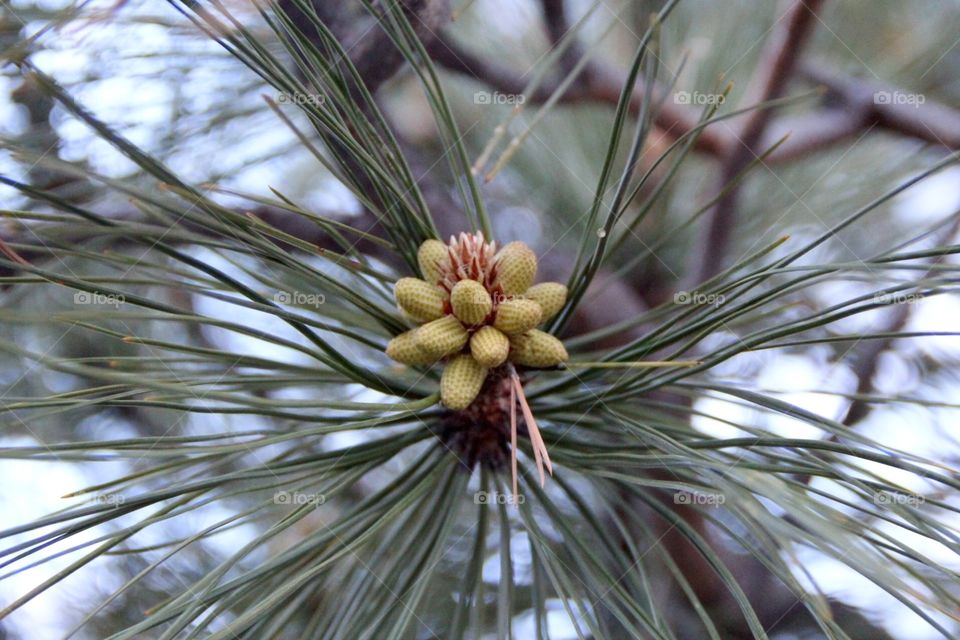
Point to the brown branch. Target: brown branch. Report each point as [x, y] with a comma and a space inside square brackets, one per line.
[371, 49]
[811, 133]
[376, 56]
[673, 119]
[856, 112]
[783, 53]
[866, 362]
[865, 367]
[555, 19]
[32, 247]
[891, 108]
[558, 27]
[735, 157]
[376, 59]
[599, 83]
[453, 57]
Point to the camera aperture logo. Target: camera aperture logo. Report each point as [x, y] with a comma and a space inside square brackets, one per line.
[697, 297]
[301, 99]
[495, 497]
[890, 497]
[899, 97]
[486, 97]
[699, 498]
[95, 297]
[110, 499]
[299, 298]
[499, 297]
[298, 499]
[898, 297]
[697, 98]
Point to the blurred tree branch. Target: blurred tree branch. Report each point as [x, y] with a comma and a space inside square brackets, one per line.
[866, 358]
[782, 55]
[597, 83]
[874, 103]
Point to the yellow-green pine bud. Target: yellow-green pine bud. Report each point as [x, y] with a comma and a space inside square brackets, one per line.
[549, 295]
[420, 299]
[516, 268]
[537, 348]
[461, 382]
[404, 348]
[433, 258]
[441, 337]
[489, 347]
[471, 301]
[517, 316]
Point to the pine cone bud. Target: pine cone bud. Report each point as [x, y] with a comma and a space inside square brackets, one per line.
[516, 268]
[441, 337]
[517, 316]
[404, 348]
[461, 382]
[489, 347]
[537, 349]
[550, 296]
[432, 256]
[420, 299]
[471, 302]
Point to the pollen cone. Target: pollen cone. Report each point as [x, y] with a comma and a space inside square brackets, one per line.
[404, 348]
[517, 316]
[489, 347]
[537, 348]
[516, 268]
[420, 299]
[471, 302]
[432, 258]
[461, 382]
[549, 295]
[441, 337]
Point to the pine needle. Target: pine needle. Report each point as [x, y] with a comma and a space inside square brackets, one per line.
[513, 440]
[540, 453]
[641, 364]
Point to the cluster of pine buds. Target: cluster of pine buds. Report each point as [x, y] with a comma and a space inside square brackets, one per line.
[479, 309]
